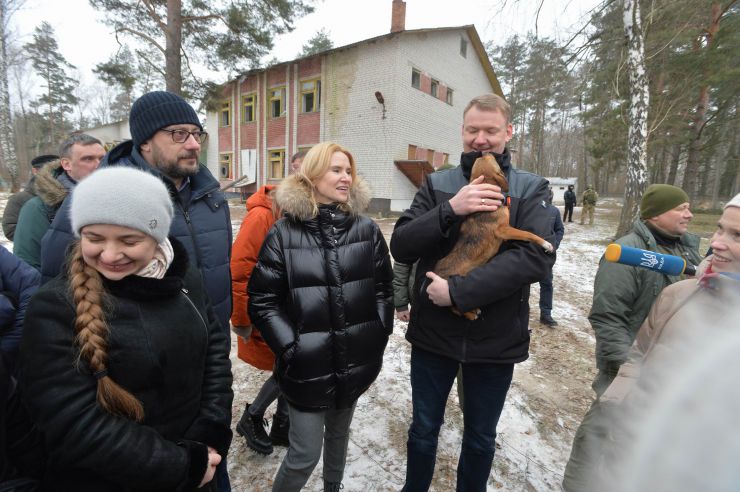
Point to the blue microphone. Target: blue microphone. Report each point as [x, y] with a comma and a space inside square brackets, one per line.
[666, 264]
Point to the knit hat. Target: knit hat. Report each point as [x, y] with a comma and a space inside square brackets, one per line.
[660, 198]
[156, 110]
[39, 161]
[122, 196]
[735, 202]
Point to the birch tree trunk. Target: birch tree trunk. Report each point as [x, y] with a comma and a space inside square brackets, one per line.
[638, 113]
[8, 159]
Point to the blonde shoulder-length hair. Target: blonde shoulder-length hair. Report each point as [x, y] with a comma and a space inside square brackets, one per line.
[316, 164]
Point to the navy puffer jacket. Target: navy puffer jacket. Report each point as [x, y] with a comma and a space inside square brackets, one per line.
[322, 297]
[18, 282]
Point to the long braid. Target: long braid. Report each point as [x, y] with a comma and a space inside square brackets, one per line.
[92, 335]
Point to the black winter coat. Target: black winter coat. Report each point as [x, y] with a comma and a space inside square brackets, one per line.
[427, 232]
[166, 347]
[322, 297]
[570, 198]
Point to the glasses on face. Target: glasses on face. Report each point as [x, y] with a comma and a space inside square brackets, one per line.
[181, 136]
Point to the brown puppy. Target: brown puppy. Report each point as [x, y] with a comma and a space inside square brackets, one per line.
[482, 233]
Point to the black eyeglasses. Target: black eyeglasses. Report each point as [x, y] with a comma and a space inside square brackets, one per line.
[181, 136]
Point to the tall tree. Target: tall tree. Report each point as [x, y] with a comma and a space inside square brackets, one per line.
[119, 72]
[229, 35]
[703, 45]
[638, 113]
[319, 42]
[8, 158]
[58, 98]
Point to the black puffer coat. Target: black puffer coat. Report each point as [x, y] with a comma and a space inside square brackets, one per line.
[322, 297]
[166, 347]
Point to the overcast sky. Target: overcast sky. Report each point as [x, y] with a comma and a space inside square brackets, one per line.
[85, 41]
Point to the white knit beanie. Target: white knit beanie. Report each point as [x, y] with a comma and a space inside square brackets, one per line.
[123, 196]
[735, 202]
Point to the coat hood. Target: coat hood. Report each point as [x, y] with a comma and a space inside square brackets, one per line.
[261, 198]
[48, 187]
[294, 196]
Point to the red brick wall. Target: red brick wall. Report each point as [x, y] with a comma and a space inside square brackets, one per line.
[310, 68]
[276, 76]
[276, 133]
[308, 128]
[426, 83]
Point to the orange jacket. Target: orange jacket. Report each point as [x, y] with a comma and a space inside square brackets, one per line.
[259, 219]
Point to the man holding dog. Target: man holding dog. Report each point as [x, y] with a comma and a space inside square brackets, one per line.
[486, 349]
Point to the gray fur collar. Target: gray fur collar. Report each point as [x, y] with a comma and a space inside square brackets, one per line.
[294, 196]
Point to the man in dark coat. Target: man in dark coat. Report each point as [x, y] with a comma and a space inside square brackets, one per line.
[17, 200]
[570, 202]
[442, 341]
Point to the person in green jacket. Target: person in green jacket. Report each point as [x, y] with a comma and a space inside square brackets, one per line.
[79, 155]
[623, 296]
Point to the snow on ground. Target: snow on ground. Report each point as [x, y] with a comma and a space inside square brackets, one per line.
[548, 397]
[549, 394]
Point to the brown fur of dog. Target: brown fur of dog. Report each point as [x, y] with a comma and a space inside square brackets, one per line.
[482, 233]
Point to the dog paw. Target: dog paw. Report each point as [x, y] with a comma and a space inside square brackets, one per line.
[548, 247]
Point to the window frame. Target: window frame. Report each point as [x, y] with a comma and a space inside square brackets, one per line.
[253, 105]
[272, 161]
[281, 99]
[416, 72]
[316, 92]
[226, 158]
[434, 88]
[225, 109]
[463, 47]
[448, 96]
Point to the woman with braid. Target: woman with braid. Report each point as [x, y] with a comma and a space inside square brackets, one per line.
[123, 364]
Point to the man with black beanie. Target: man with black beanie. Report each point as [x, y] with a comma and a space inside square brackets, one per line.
[166, 138]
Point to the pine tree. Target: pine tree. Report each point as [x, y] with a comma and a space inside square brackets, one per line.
[319, 42]
[58, 99]
[224, 35]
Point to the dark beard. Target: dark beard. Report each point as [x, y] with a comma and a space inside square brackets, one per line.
[175, 172]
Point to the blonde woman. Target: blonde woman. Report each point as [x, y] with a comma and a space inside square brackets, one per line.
[124, 365]
[321, 296]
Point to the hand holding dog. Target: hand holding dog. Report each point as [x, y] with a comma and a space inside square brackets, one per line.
[438, 290]
[476, 197]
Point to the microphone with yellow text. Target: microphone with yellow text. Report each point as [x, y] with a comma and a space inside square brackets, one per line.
[666, 264]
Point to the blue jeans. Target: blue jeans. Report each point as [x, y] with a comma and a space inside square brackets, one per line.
[485, 388]
[546, 295]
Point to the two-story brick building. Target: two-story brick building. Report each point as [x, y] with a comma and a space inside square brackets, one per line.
[395, 101]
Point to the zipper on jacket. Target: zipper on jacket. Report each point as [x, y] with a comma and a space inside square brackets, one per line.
[192, 304]
[193, 236]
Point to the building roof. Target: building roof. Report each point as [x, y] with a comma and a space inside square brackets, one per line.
[478, 47]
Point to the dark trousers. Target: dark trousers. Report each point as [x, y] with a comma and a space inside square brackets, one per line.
[485, 388]
[568, 212]
[546, 295]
